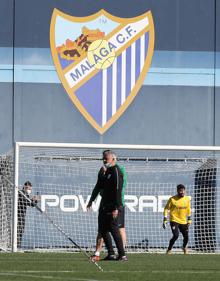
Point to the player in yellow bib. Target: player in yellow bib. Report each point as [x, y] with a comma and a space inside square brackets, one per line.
[179, 211]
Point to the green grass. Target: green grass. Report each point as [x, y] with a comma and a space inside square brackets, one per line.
[66, 267]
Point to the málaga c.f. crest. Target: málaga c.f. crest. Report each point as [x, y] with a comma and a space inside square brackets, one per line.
[102, 61]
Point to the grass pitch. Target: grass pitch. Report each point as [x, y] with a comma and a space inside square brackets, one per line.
[66, 267]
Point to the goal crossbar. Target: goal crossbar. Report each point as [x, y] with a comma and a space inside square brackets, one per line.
[120, 146]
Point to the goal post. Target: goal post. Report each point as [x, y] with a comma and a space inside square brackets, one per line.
[63, 176]
[15, 197]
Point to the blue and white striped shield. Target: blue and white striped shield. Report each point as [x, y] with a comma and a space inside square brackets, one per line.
[102, 61]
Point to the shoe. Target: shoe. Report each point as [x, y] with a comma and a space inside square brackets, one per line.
[122, 258]
[168, 252]
[185, 251]
[109, 258]
[95, 258]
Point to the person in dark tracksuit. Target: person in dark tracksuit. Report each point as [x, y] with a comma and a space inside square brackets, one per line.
[111, 185]
[24, 201]
[121, 216]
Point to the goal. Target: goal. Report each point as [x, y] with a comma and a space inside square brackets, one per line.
[63, 177]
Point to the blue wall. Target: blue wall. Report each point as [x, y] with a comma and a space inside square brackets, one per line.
[178, 103]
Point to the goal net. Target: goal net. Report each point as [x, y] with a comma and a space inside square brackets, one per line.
[64, 175]
[6, 202]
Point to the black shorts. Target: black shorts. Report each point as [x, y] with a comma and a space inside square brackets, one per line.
[120, 219]
[176, 227]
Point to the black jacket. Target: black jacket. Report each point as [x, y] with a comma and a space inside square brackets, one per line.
[110, 185]
[24, 201]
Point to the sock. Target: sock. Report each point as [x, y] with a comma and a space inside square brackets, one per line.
[97, 253]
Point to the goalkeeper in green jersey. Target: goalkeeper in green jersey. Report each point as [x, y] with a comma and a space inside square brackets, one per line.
[121, 215]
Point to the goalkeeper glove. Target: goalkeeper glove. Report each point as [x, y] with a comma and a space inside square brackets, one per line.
[164, 223]
[189, 221]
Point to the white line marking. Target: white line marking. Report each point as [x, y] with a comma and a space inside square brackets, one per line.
[19, 273]
[212, 271]
[49, 276]
[33, 276]
[39, 271]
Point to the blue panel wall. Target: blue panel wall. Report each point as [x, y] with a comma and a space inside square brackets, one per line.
[178, 103]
